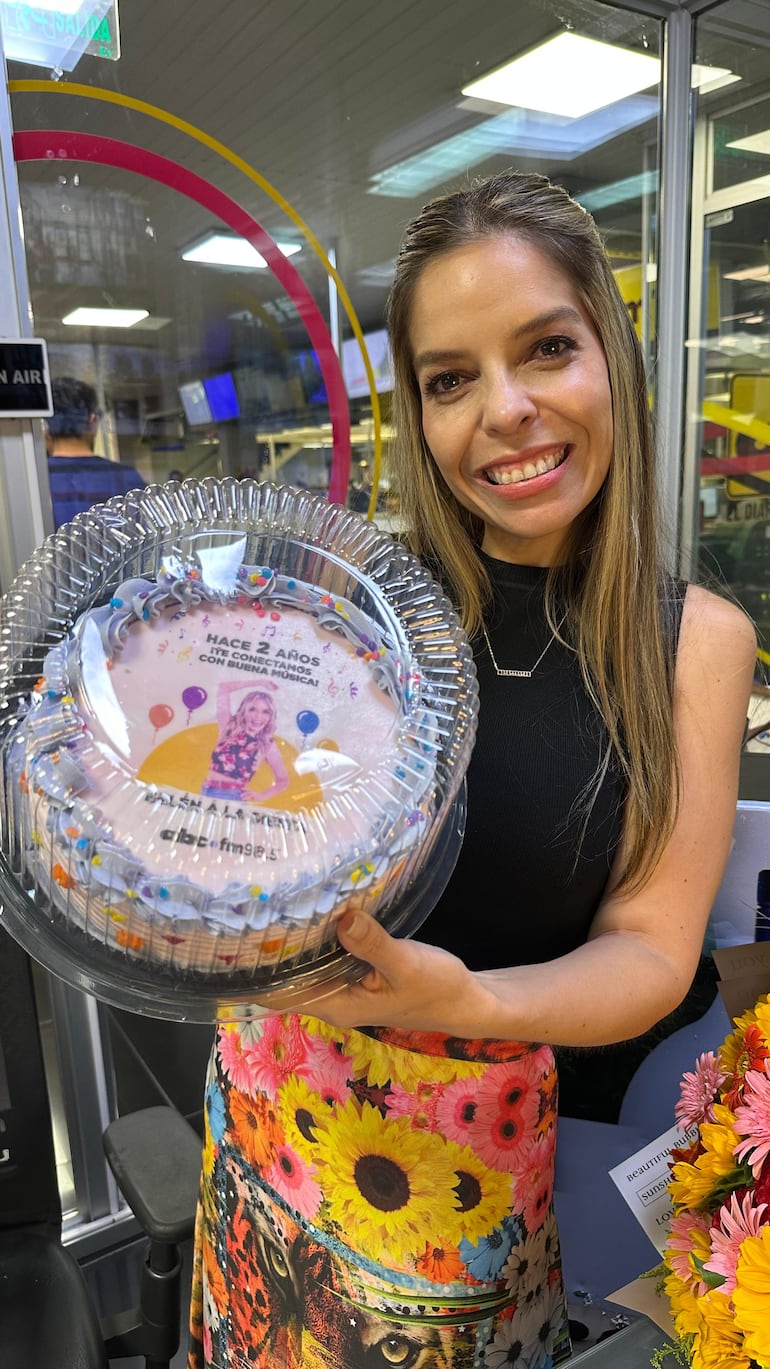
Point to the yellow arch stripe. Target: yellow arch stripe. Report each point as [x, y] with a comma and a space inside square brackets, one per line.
[163, 116]
[763, 655]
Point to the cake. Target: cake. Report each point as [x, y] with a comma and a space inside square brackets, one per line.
[217, 763]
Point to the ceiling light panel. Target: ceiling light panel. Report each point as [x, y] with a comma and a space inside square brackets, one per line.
[221, 249]
[105, 318]
[568, 75]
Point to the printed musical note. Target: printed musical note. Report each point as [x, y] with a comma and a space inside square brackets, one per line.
[181, 633]
[326, 648]
[269, 630]
[332, 688]
[239, 623]
[205, 620]
[353, 690]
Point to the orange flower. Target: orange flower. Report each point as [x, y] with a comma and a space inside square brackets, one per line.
[440, 1263]
[62, 877]
[752, 1052]
[256, 1126]
[215, 1278]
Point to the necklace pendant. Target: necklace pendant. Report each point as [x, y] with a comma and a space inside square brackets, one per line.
[515, 674]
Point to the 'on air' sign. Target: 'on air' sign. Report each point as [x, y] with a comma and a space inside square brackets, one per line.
[25, 383]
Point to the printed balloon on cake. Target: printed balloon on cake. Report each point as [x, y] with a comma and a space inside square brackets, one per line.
[264, 725]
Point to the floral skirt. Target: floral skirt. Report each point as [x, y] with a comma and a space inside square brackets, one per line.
[374, 1199]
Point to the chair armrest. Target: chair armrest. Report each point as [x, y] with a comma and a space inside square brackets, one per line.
[155, 1156]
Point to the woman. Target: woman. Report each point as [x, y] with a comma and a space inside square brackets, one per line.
[246, 741]
[377, 1185]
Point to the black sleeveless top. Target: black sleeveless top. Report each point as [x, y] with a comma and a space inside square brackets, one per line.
[535, 859]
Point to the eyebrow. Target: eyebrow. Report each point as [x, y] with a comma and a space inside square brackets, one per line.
[563, 314]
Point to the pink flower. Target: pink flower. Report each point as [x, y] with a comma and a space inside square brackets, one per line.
[699, 1091]
[421, 1105]
[752, 1120]
[279, 1052]
[507, 1110]
[532, 1173]
[236, 1060]
[456, 1109]
[326, 1070]
[681, 1244]
[511, 1087]
[293, 1179]
[736, 1221]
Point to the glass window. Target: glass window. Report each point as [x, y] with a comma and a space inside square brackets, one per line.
[327, 127]
[729, 343]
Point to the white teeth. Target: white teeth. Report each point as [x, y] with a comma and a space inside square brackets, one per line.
[528, 471]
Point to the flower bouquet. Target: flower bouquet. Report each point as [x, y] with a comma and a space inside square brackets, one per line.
[717, 1258]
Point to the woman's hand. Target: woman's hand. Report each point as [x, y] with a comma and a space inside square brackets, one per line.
[409, 985]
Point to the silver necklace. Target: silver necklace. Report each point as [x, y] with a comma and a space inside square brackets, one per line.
[518, 674]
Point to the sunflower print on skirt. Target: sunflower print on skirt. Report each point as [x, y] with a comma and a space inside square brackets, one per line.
[376, 1198]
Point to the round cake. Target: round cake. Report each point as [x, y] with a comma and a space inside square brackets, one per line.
[217, 763]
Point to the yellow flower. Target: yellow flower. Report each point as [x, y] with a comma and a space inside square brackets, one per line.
[751, 1297]
[684, 1307]
[388, 1187]
[380, 1062]
[482, 1195]
[720, 1344]
[762, 1015]
[304, 1115]
[730, 1050]
[693, 1184]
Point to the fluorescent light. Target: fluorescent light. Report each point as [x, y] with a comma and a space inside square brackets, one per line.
[568, 75]
[750, 273]
[105, 318]
[706, 79]
[756, 142]
[222, 249]
[572, 75]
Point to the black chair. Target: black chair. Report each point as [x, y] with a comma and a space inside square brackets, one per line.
[47, 1316]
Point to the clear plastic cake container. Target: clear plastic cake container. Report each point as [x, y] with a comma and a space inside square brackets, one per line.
[230, 712]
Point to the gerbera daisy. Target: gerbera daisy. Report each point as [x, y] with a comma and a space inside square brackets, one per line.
[510, 1088]
[698, 1091]
[388, 1186]
[552, 1328]
[692, 1185]
[507, 1350]
[419, 1105]
[743, 1052]
[497, 1135]
[689, 1239]
[440, 1263]
[752, 1120]
[739, 1218]
[486, 1256]
[256, 1127]
[290, 1176]
[278, 1053]
[327, 1069]
[751, 1298]
[456, 1109]
[685, 1307]
[532, 1174]
[236, 1062]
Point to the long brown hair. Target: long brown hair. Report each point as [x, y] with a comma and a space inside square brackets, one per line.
[612, 581]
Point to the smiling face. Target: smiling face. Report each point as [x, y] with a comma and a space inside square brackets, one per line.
[257, 714]
[515, 394]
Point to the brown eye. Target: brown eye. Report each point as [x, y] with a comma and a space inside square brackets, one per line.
[397, 1350]
[277, 1261]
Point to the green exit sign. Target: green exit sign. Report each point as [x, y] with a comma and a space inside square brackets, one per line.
[57, 33]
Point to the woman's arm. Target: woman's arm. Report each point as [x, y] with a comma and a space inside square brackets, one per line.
[224, 689]
[643, 948]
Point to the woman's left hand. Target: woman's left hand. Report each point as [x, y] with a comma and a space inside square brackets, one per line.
[409, 985]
